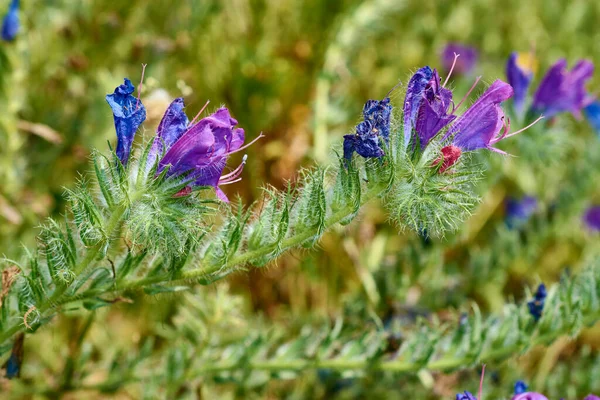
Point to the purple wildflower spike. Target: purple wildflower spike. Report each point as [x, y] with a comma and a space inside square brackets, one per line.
[10, 24]
[414, 97]
[592, 113]
[591, 218]
[561, 90]
[518, 211]
[466, 62]
[520, 387]
[128, 113]
[529, 396]
[202, 150]
[519, 73]
[591, 397]
[536, 305]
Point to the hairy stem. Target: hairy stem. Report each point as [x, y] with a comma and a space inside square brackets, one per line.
[112, 226]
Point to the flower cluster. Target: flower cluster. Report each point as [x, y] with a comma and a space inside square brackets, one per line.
[518, 211]
[559, 91]
[536, 305]
[196, 150]
[428, 110]
[10, 24]
[591, 218]
[375, 125]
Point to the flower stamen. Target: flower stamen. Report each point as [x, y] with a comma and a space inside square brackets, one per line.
[519, 131]
[235, 173]
[249, 144]
[466, 95]
[199, 112]
[451, 69]
[140, 87]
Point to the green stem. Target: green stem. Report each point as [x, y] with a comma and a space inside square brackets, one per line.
[240, 259]
[300, 365]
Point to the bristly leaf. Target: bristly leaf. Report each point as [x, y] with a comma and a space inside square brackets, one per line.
[346, 192]
[86, 215]
[270, 227]
[310, 211]
[227, 240]
[60, 255]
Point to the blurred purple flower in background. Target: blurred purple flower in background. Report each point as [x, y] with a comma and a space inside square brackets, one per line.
[519, 73]
[592, 113]
[10, 24]
[529, 396]
[128, 114]
[591, 218]
[465, 396]
[518, 211]
[465, 63]
[562, 90]
[520, 387]
[536, 305]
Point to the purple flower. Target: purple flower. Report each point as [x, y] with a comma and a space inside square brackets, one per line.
[519, 73]
[375, 125]
[128, 113]
[199, 149]
[561, 90]
[520, 387]
[432, 115]
[529, 396]
[591, 218]
[536, 305]
[465, 63]
[479, 127]
[173, 124]
[10, 25]
[519, 211]
[592, 113]
[465, 396]
[414, 97]
[591, 397]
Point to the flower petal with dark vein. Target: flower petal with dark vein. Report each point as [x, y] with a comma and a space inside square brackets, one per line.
[128, 113]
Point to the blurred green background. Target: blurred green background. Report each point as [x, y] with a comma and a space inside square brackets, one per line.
[298, 71]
